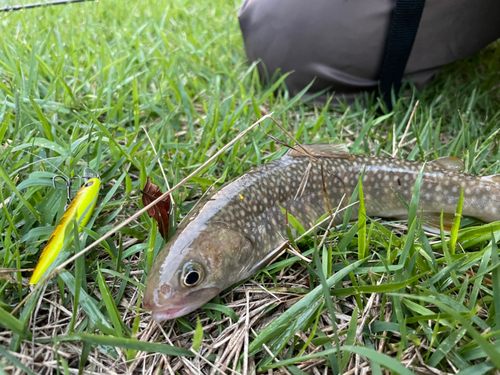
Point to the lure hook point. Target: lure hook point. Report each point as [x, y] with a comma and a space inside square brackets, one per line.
[67, 181]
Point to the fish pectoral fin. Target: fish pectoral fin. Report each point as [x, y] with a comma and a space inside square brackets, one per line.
[431, 222]
[326, 150]
[493, 178]
[267, 260]
[449, 162]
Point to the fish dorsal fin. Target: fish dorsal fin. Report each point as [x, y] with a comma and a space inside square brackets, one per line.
[326, 150]
[493, 178]
[449, 162]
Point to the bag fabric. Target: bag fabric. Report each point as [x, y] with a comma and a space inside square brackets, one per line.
[341, 43]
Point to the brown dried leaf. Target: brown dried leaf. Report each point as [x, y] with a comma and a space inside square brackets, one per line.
[159, 212]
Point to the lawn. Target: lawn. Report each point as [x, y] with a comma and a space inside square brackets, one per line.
[85, 85]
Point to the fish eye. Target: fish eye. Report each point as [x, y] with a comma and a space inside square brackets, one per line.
[192, 274]
[90, 183]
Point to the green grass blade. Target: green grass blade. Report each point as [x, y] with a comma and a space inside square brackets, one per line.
[329, 305]
[88, 304]
[382, 359]
[284, 320]
[110, 304]
[495, 278]
[479, 369]
[47, 128]
[295, 370]
[413, 209]
[5, 354]
[351, 336]
[362, 250]
[488, 348]
[5, 176]
[125, 343]
[383, 288]
[79, 274]
[125, 278]
[223, 309]
[446, 346]
[10, 322]
[198, 335]
[24, 317]
[456, 222]
[348, 212]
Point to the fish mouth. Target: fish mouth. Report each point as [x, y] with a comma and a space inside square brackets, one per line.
[176, 312]
[194, 301]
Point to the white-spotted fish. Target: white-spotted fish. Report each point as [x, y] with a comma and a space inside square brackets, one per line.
[236, 231]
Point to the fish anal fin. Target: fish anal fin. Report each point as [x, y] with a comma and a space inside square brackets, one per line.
[325, 150]
[493, 178]
[432, 222]
[449, 162]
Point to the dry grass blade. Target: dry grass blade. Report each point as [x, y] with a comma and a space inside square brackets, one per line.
[395, 149]
[161, 168]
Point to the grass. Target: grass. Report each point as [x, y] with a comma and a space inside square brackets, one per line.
[79, 84]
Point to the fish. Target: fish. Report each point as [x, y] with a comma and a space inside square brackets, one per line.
[80, 208]
[236, 231]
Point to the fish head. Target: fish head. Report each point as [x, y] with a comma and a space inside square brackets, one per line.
[196, 264]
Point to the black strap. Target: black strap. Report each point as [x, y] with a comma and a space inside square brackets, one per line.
[402, 32]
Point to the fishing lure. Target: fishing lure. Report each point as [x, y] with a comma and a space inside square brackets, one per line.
[80, 209]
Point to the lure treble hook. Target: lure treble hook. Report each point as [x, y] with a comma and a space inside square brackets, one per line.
[87, 175]
[67, 181]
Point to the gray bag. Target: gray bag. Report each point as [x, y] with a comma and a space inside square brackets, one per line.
[341, 43]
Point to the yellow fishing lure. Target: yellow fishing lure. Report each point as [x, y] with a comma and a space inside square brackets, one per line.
[81, 209]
